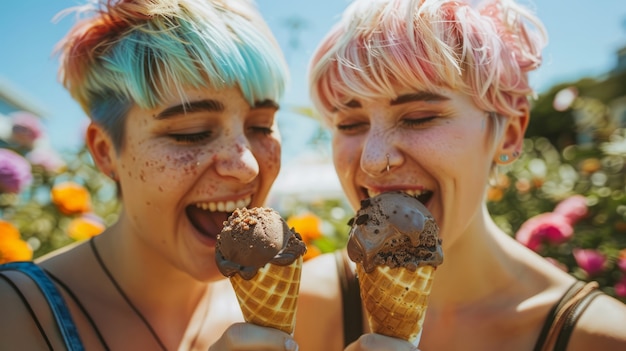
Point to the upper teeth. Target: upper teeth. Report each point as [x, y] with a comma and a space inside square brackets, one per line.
[414, 193]
[224, 206]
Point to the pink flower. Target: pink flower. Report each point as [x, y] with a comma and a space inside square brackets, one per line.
[620, 287]
[574, 208]
[553, 227]
[46, 158]
[621, 260]
[15, 172]
[27, 128]
[546, 227]
[591, 261]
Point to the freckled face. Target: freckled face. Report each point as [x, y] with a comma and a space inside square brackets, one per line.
[185, 165]
[438, 145]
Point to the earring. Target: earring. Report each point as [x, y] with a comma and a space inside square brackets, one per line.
[504, 158]
[113, 176]
[515, 154]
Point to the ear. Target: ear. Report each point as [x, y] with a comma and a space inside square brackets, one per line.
[102, 150]
[512, 138]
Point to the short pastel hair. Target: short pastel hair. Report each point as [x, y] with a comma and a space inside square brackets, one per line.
[123, 53]
[380, 46]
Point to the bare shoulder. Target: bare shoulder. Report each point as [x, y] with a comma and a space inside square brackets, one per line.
[601, 327]
[23, 321]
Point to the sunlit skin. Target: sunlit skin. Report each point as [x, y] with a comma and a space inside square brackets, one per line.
[208, 147]
[436, 144]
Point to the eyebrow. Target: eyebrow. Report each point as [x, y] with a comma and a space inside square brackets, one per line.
[207, 105]
[403, 99]
[419, 96]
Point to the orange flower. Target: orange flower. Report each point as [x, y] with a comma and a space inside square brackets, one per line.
[494, 194]
[71, 198]
[311, 251]
[590, 165]
[307, 225]
[85, 227]
[12, 247]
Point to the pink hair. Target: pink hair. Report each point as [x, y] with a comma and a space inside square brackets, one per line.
[381, 46]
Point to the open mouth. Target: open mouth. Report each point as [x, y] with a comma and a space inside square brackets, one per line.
[422, 196]
[208, 217]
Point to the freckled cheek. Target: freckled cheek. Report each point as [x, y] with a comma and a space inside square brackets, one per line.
[346, 152]
[268, 155]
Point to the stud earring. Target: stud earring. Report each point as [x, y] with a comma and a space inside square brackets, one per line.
[504, 158]
[515, 154]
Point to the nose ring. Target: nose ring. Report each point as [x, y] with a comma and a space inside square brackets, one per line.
[388, 163]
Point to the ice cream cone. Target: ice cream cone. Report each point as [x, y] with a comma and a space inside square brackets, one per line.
[396, 299]
[269, 299]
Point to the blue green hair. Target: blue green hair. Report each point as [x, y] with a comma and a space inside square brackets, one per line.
[123, 53]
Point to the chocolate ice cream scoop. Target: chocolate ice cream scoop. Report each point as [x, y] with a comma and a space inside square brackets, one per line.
[251, 238]
[396, 230]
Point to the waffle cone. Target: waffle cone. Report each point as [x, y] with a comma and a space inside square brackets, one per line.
[269, 299]
[396, 299]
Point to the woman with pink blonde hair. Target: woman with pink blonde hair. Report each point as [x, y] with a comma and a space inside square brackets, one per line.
[430, 97]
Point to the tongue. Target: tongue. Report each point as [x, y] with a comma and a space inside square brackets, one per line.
[208, 223]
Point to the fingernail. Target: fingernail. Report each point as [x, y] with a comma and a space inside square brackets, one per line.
[291, 345]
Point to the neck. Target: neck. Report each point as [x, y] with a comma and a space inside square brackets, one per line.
[169, 302]
[476, 267]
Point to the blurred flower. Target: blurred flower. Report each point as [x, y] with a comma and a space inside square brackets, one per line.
[85, 227]
[27, 129]
[494, 194]
[546, 227]
[46, 158]
[553, 227]
[621, 260]
[591, 261]
[12, 247]
[620, 287]
[15, 172]
[523, 185]
[590, 165]
[574, 208]
[565, 98]
[71, 198]
[308, 225]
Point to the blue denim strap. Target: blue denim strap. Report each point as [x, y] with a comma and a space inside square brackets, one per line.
[55, 300]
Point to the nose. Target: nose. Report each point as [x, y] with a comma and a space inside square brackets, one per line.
[237, 161]
[376, 156]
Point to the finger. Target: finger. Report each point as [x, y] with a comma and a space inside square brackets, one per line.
[246, 336]
[380, 342]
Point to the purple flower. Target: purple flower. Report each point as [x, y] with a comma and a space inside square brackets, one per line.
[591, 261]
[15, 172]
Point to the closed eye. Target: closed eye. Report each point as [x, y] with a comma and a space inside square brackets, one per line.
[191, 138]
[262, 130]
[352, 127]
[418, 122]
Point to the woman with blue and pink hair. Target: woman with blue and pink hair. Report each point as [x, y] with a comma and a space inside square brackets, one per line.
[430, 97]
[182, 97]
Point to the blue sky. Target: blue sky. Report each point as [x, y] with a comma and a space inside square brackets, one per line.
[584, 38]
